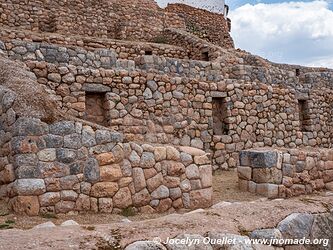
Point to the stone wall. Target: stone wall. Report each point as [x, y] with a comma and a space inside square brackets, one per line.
[286, 172]
[125, 49]
[111, 19]
[210, 26]
[7, 119]
[71, 166]
[167, 100]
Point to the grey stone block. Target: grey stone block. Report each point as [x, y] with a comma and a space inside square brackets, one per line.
[62, 128]
[65, 155]
[29, 126]
[91, 171]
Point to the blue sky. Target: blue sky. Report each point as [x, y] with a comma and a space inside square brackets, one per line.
[237, 3]
[294, 32]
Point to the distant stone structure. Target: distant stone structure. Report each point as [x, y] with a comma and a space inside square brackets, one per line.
[128, 105]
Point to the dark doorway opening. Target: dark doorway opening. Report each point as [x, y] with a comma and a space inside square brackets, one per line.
[220, 127]
[304, 116]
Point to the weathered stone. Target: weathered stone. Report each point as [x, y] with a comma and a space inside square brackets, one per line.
[138, 179]
[147, 160]
[192, 172]
[160, 153]
[110, 173]
[62, 128]
[83, 203]
[201, 198]
[49, 199]
[229, 241]
[271, 233]
[259, 159]
[29, 126]
[160, 193]
[154, 182]
[68, 195]
[68, 223]
[68, 182]
[200, 160]
[47, 155]
[145, 245]
[48, 224]
[164, 205]
[28, 205]
[172, 153]
[296, 226]
[122, 198]
[244, 173]
[91, 170]
[105, 205]
[64, 207]
[104, 189]
[65, 155]
[141, 198]
[206, 175]
[188, 242]
[29, 187]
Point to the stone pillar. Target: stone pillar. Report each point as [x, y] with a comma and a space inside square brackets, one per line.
[260, 172]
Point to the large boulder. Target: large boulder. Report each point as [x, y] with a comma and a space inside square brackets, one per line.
[296, 226]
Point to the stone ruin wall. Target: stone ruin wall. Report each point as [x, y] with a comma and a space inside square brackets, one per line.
[285, 172]
[167, 98]
[108, 19]
[210, 26]
[72, 166]
[155, 106]
[114, 19]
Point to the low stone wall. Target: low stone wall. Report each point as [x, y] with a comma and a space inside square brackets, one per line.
[125, 49]
[70, 166]
[285, 172]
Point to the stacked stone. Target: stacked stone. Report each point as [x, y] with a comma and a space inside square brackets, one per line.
[203, 24]
[69, 166]
[7, 119]
[286, 172]
[125, 49]
[108, 19]
[260, 172]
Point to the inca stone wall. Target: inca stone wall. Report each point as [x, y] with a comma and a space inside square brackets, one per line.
[123, 124]
[69, 166]
[171, 100]
[109, 19]
[210, 26]
[286, 172]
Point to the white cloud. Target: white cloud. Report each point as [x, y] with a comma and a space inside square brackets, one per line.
[294, 32]
[212, 5]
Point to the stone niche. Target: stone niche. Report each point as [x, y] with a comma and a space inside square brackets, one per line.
[95, 108]
[96, 104]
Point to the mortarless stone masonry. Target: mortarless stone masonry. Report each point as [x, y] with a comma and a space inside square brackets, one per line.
[143, 123]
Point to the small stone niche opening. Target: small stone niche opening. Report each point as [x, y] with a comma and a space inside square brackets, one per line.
[304, 115]
[220, 127]
[298, 72]
[205, 56]
[148, 52]
[95, 108]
